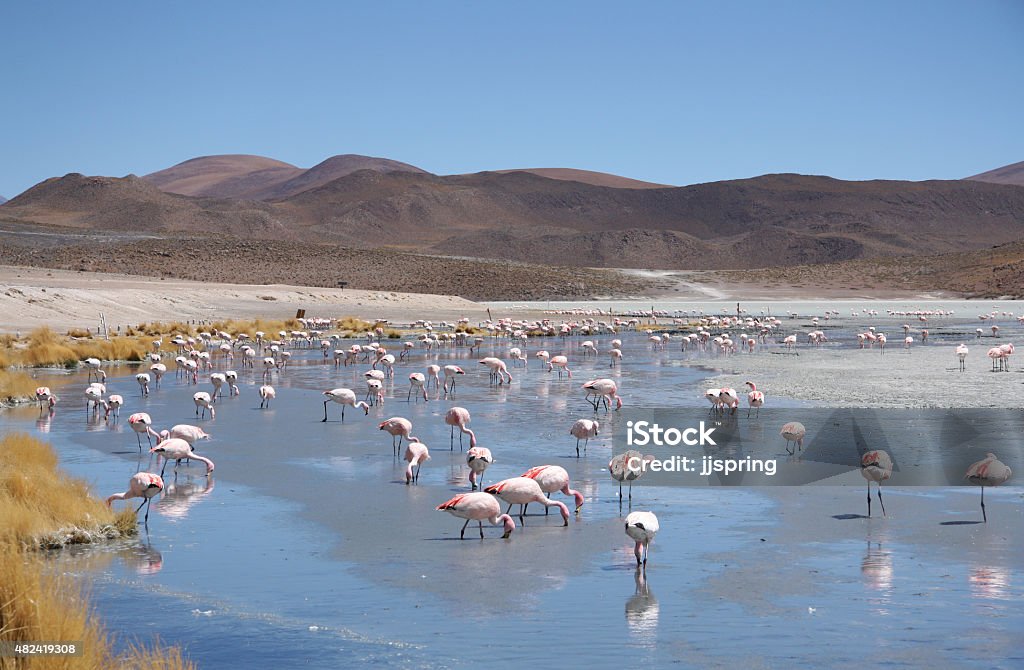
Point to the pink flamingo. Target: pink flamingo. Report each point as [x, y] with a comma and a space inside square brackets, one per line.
[729, 398]
[794, 431]
[142, 424]
[478, 459]
[203, 400]
[450, 371]
[584, 429]
[641, 527]
[553, 478]
[113, 406]
[478, 507]
[417, 382]
[177, 450]
[432, 376]
[876, 466]
[158, 370]
[45, 397]
[398, 427]
[616, 357]
[522, 491]
[498, 370]
[143, 379]
[415, 453]
[344, 397]
[458, 417]
[603, 390]
[755, 399]
[267, 393]
[961, 353]
[989, 471]
[184, 431]
[143, 485]
[560, 362]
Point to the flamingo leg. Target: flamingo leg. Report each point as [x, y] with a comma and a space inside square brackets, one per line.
[481, 526]
[509, 510]
[880, 498]
[324, 420]
[869, 499]
[462, 533]
[983, 515]
[577, 448]
[144, 501]
[451, 440]
[145, 519]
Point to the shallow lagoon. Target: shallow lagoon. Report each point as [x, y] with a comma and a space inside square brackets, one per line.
[309, 550]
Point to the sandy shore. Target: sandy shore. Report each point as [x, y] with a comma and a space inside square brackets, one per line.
[32, 297]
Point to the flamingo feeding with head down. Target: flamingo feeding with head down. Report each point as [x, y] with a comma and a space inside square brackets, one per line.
[603, 390]
[45, 397]
[479, 507]
[584, 429]
[553, 478]
[522, 491]
[794, 431]
[458, 417]
[398, 427]
[176, 449]
[498, 370]
[203, 401]
[415, 453]
[641, 527]
[344, 397]
[143, 485]
[961, 353]
[267, 393]
[478, 459]
[755, 399]
[142, 424]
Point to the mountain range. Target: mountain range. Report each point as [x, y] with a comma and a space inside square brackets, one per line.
[543, 215]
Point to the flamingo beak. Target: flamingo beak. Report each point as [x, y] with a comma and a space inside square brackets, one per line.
[507, 533]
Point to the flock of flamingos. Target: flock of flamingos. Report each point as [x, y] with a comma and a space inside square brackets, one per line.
[723, 335]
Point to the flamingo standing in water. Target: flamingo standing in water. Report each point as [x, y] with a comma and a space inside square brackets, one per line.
[142, 424]
[755, 399]
[432, 376]
[478, 459]
[267, 393]
[203, 400]
[344, 397]
[989, 471]
[522, 491]
[627, 467]
[794, 431]
[458, 417]
[616, 357]
[603, 390]
[417, 383]
[450, 371]
[232, 377]
[560, 362]
[143, 485]
[113, 406]
[177, 450]
[218, 379]
[553, 478]
[876, 466]
[415, 453]
[498, 370]
[961, 353]
[584, 429]
[641, 527]
[143, 379]
[184, 431]
[94, 369]
[45, 397]
[398, 427]
[158, 370]
[478, 507]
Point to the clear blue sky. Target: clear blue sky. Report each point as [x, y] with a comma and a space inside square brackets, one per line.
[674, 92]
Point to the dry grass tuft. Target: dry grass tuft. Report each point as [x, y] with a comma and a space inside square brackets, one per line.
[42, 507]
[16, 386]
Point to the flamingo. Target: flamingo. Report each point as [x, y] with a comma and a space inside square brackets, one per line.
[794, 431]
[641, 527]
[584, 429]
[142, 424]
[627, 467]
[450, 371]
[143, 379]
[94, 369]
[560, 362]
[143, 485]
[417, 382]
[523, 491]
[432, 376]
[989, 471]
[729, 398]
[398, 427]
[232, 377]
[876, 466]
[755, 399]
[498, 370]
[158, 370]
[714, 396]
[113, 405]
[176, 449]
[478, 459]
[616, 357]
[184, 431]
[961, 353]
[267, 393]
[45, 397]
[603, 390]
[415, 453]
[478, 507]
[344, 397]
[553, 478]
[588, 348]
[218, 380]
[202, 400]
[94, 396]
[459, 417]
[375, 391]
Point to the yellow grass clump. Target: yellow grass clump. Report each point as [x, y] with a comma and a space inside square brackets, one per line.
[43, 347]
[42, 507]
[16, 385]
[354, 325]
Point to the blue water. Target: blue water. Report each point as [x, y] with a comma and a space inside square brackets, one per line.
[308, 550]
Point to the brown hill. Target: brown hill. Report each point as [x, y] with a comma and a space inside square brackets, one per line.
[1008, 174]
[257, 178]
[765, 221]
[589, 177]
